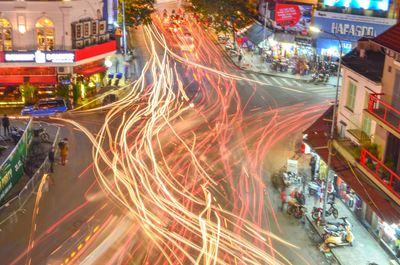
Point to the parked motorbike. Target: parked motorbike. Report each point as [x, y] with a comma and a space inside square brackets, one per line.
[296, 209]
[344, 238]
[42, 134]
[317, 211]
[313, 187]
[334, 228]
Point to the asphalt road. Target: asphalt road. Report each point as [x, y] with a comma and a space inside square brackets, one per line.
[261, 123]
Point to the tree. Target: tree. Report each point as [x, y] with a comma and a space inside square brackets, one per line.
[224, 15]
[28, 93]
[137, 12]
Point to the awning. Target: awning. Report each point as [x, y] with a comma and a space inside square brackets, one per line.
[91, 71]
[255, 33]
[43, 80]
[10, 80]
[317, 138]
[284, 37]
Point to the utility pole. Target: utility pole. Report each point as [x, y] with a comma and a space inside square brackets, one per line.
[265, 21]
[124, 26]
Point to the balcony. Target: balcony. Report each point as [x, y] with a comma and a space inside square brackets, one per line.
[363, 158]
[384, 175]
[384, 114]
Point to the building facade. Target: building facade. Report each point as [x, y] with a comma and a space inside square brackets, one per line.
[53, 45]
[366, 145]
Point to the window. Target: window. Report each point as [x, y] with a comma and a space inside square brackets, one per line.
[45, 34]
[351, 96]
[5, 35]
[366, 120]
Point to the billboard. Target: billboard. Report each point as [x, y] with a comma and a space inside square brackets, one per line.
[364, 4]
[295, 17]
[351, 27]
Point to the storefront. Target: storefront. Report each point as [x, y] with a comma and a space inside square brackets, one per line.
[52, 73]
[349, 28]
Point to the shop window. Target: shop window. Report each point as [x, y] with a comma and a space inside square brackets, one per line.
[45, 34]
[351, 96]
[5, 35]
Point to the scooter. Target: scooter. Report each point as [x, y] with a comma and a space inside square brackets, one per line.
[334, 228]
[345, 238]
[296, 209]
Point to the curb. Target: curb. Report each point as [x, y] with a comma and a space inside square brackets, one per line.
[314, 226]
[226, 55]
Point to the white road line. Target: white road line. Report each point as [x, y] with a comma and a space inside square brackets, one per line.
[265, 79]
[276, 80]
[286, 81]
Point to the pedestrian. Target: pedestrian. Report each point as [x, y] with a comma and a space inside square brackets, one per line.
[51, 159]
[6, 125]
[64, 151]
[240, 57]
[283, 198]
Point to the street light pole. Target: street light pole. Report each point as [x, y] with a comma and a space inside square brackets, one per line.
[124, 26]
[265, 22]
[332, 132]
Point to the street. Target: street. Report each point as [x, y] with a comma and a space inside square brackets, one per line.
[177, 170]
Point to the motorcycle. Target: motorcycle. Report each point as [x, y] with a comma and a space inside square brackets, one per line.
[317, 211]
[344, 238]
[334, 228]
[42, 133]
[296, 209]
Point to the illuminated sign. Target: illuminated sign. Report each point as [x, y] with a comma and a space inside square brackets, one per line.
[351, 27]
[364, 4]
[40, 57]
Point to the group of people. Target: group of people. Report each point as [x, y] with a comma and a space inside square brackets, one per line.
[296, 196]
[64, 149]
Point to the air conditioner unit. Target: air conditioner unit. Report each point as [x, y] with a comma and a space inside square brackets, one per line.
[63, 70]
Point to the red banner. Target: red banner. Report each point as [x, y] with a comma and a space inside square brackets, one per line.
[287, 15]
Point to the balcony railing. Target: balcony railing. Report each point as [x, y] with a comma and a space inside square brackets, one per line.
[383, 111]
[380, 171]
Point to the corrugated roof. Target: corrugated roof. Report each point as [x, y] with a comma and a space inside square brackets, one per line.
[390, 38]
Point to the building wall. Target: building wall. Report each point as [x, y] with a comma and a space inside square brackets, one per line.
[62, 14]
[354, 118]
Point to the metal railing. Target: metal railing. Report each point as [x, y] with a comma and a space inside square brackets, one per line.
[385, 112]
[380, 171]
[16, 205]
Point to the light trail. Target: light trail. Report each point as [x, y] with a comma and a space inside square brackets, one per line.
[188, 170]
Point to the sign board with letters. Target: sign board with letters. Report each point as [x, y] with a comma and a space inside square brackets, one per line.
[13, 168]
[40, 57]
[351, 27]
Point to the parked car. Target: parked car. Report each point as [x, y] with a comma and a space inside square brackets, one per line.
[46, 107]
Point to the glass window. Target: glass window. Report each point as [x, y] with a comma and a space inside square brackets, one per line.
[45, 34]
[351, 96]
[5, 35]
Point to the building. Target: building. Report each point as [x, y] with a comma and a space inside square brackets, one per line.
[366, 146]
[351, 20]
[54, 45]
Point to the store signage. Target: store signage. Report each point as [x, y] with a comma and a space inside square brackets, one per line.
[364, 4]
[288, 15]
[40, 57]
[351, 27]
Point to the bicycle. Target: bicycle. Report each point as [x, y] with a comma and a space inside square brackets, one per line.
[317, 211]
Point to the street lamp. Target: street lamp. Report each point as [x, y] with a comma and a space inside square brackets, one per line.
[331, 136]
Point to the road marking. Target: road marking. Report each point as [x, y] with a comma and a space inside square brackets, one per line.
[265, 79]
[286, 81]
[276, 81]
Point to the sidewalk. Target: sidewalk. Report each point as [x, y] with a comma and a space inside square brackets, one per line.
[253, 62]
[365, 248]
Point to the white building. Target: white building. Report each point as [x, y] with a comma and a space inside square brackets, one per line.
[43, 42]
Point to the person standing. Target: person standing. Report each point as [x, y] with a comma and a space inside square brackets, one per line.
[283, 198]
[51, 159]
[6, 125]
[64, 151]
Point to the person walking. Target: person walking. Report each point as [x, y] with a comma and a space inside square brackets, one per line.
[240, 57]
[6, 125]
[63, 147]
[64, 151]
[51, 159]
[283, 198]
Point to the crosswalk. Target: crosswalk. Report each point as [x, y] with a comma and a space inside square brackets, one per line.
[322, 90]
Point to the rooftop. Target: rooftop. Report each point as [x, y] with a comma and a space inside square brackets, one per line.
[390, 38]
[371, 66]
